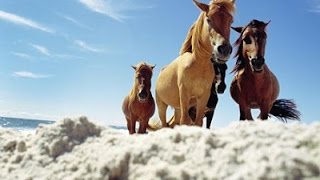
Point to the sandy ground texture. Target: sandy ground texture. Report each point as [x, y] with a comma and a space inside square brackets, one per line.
[79, 149]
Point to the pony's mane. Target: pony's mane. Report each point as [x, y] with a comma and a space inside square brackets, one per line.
[240, 64]
[215, 5]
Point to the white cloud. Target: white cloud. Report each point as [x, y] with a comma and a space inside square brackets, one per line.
[23, 21]
[87, 47]
[41, 49]
[111, 8]
[30, 75]
[74, 21]
[21, 55]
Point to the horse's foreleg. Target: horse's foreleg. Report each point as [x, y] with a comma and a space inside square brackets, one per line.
[245, 113]
[143, 126]
[209, 116]
[242, 113]
[201, 105]
[184, 107]
[212, 103]
[131, 126]
[162, 111]
[176, 118]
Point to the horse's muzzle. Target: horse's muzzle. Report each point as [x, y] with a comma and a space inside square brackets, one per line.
[257, 64]
[225, 49]
[143, 96]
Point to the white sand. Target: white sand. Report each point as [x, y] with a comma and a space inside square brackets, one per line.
[78, 149]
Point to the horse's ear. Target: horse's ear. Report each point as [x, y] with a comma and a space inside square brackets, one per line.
[238, 29]
[266, 24]
[153, 66]
[134, 67]
[202, 6]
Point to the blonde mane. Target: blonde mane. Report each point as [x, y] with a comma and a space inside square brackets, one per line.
[199, 47]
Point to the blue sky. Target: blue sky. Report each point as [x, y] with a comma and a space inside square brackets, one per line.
[72, 58]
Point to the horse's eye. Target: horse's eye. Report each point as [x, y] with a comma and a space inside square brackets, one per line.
[209, 21]
[247, 40]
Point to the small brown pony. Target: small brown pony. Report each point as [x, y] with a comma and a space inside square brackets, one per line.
[255, 86]
[187, 80]
[139, 104]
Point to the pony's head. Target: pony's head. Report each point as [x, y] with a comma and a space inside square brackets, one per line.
[252, 42]
[143, 75]
[219, 17]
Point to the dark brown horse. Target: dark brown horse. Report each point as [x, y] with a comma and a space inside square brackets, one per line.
[255, 86]
[139, 104]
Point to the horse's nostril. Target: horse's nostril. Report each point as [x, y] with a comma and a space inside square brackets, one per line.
[258, 62]
[143, 94]
[225, 49]
[221, 49]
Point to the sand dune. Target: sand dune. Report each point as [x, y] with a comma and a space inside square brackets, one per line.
[79, 149]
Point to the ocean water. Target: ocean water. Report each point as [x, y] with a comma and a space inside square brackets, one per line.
[22, 124]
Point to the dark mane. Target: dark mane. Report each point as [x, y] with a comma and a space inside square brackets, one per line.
[240, 64]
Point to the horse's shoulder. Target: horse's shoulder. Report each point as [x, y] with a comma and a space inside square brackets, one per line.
[185, 60]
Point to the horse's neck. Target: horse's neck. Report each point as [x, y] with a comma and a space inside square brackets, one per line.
[256, 76]
[201, 46]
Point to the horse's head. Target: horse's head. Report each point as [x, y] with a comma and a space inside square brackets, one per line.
[219, 17]
[252, 42]
[143, 75]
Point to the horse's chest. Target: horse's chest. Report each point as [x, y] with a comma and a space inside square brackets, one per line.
[255, 90]
[199, 86]
[142, 109]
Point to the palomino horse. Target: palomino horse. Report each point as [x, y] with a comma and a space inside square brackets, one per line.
[139, 104]
[186, 81]
[254, 85]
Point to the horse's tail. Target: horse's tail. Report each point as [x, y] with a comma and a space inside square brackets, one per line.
[285, 109]
[154, 125]
[187, 44]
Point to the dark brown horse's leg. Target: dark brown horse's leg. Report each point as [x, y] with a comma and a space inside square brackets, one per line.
[264, 112]
[212, 103]
[245, 113]
[132, 126]
[143, 126]
[129, 125]
[242, 113]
